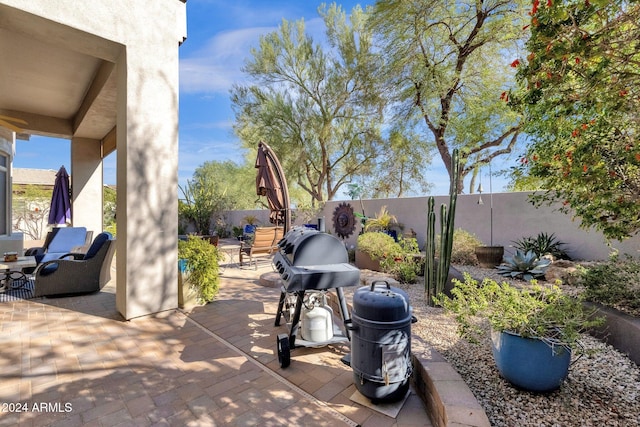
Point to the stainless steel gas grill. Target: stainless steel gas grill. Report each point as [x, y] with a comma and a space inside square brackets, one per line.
[310, 264]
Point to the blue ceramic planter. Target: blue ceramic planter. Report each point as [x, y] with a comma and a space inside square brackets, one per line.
[529, 363]
[392, 233]
[182, 265]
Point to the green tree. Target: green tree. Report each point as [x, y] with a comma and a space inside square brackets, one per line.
[109, 214]
[401, 169]
[216, 187]
[446, 67]
[580, 90]
[318, 108]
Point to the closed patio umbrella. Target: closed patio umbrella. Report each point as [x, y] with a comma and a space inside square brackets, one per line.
[271, 183]
[60, 211]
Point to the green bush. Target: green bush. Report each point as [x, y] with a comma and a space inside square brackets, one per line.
[464, 246]
[615, 283]
[532, 312]
[378, 245]
[403, 270]
[202, 266]
[396, 258]
[404, 266]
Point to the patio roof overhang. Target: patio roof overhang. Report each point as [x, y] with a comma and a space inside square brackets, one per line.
[59, 80]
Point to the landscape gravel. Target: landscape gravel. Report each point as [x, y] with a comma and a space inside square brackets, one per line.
[602, 389]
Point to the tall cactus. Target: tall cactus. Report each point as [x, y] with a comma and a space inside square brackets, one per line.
[435, 276]
[430, 248]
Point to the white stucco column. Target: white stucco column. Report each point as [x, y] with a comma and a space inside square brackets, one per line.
[147, 179]
[86, 184]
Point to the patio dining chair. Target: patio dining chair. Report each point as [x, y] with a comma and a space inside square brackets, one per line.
[77, 273]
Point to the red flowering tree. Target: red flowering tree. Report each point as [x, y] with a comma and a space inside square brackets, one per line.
[580, 91]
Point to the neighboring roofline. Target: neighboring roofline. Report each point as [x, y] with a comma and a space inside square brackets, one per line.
[26, 176]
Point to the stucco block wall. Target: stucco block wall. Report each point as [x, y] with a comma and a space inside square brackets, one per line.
[514, 217]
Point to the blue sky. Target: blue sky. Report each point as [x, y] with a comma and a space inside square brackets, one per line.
[220, 34]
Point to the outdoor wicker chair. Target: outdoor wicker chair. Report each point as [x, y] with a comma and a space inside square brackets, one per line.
[76, 273]
[59, 241]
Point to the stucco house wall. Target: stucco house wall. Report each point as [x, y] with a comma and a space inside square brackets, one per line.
[128, 101]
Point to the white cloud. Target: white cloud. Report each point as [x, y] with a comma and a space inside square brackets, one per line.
[195, 152]
[217, 65]
[219, 125]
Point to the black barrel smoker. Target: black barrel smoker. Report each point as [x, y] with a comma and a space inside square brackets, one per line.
[381, 342]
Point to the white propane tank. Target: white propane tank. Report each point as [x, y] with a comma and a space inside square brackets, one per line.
[317, 319]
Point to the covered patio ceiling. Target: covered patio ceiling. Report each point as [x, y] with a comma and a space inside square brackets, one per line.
[59, 80]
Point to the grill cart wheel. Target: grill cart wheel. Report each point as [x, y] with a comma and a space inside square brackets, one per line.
[284, 352]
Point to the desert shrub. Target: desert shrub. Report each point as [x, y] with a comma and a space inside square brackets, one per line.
[544, 312]
[396, 258]
[404, 271]
[615, 283]
[404, 266]
[464, 244]
[378, 245]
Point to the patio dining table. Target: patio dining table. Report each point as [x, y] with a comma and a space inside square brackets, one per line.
[232, 249]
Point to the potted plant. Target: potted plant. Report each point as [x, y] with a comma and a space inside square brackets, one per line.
[489, 256]
[372, 247]
[198, 264]
[251, 223]
[383, 222]
[237, 232]
[534, 330]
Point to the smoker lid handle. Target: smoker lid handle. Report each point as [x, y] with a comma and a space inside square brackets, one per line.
[373, 284]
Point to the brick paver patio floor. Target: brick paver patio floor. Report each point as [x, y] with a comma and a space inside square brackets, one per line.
[75, 362]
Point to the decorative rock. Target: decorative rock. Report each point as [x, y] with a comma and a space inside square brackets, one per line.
[563, 271]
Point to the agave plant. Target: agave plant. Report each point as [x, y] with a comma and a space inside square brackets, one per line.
[542, 244]
[524, 265]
